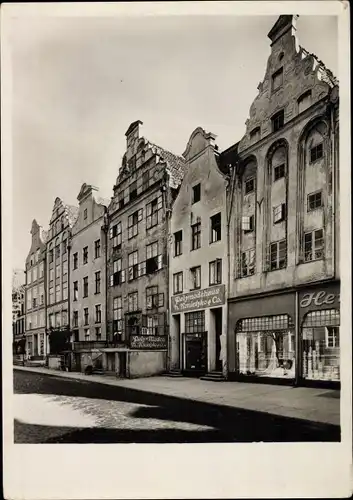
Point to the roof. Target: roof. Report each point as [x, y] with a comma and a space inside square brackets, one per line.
[18, 279]
[176, 165]
[45, 235]
[326, 74]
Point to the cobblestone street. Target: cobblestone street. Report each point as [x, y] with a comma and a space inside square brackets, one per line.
[53, 409]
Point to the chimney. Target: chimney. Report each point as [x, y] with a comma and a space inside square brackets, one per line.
[285, 27]
[133, 131]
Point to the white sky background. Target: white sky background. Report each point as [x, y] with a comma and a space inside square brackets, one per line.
[78, 83]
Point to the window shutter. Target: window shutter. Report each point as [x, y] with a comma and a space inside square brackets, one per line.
[140, 215]
[111, 233]
[159, 202]
[123, 276]
[148, 209]
[159, 261]
[111, 280]
[160, 299]
[149, 302]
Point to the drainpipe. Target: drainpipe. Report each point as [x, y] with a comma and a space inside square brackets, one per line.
[106, 281]
[166, 194]
[333, 170]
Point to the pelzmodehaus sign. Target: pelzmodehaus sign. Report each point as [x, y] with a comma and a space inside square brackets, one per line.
[191, 301]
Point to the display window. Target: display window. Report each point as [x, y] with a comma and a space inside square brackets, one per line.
[266, 346]
[321, 345]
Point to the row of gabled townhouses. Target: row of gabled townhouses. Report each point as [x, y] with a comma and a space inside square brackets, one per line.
[215, 264]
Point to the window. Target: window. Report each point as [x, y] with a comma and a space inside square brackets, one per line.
[152, 325]
[98, 313]
[153, 259]
[85, 286]
[152, 210]
[65, 267]
[195, 277]
[57, 319]
[98, 332]
[29, 277]
[85, 255]
[332, 336]
[196, 236]
[215, 272]
[116, 233]
[195, 322]
[85, 213]
[277, 121]
[121, 201]
[178, 243]
[117, 315]
[75, 258]
[133, 221]
[64, 246]
[247, 223]
[57, 251]
[255, 134]
[133, 302]
[97, 249]
[29, 299]
[41, 294]
[65, 294]
[57, 271]
[87, 336]
[51, 276]
[279, 172]
[97, 282]
[216, 231]
[196, 193]
[178, 282]
[57, 293]
[41, 270]
[153, 298]
[75, 290]
[247, 263]
[279, 213]
[249, 185]
[133, 266]
[51, 255]
[133, 191]
[85, 316]
[313, 245]
[118, 275]
[314, 201]
[51, 295]
[316, 152]
[265, 323]
[75, 319]
[278, 255]
[145, 180]
[51, 321]
[277, 79]
[35, 273]
[304, 101]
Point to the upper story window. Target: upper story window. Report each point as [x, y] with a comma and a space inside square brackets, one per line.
[153, 259]
[133, 191]
[247, 263]
[279, 171]
[57, 251]
[249, 185]
[133, 221]
[178, 243]
[255, 134]
[215, 272]
[304, 101]
[196, 236]
[121, 199]
[118, 275]
[75, 290]
[145, 180]
[195, 277]
[277, 79]
[316, 152]
[152, 210]
[178, 283]
[85, 255]
[97, 249]
[313, 245]
[133, 265]
[133, 301]
[279, 213]
[85, 286]
[75, 260]
[64, 246]
[196, 193]
[216, 231]
[248, 223]
[277, 121]
[116, 233]
[278, 255]
[51, 256]
[85, 213]
[314, 201]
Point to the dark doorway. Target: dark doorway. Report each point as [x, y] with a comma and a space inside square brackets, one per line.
[195, 353]
[122, 364]
[176, 319]
[218, 331]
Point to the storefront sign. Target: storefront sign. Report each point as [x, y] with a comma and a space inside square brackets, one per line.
[201, 299]
[148, 342]
[318, 299]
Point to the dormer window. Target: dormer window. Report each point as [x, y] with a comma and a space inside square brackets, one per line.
[255, 134]
[277, 79]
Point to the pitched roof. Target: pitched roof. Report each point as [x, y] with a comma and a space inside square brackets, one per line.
[176, 165]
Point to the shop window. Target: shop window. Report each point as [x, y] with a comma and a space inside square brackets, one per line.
[247, 263]
[320, 339]
[314, 201]
[277, 79]
[133, 221]
[279, 172]
[196, 236]
[195, 277]
[316, 152]
[249, 185]
[133, 265]
[195, 322]
[279, 213]
[215, 272]
[313, 245]
[178, 243]
[177, 283]
[152, 211]
[216, 225]
[196, 193]
[277, 121]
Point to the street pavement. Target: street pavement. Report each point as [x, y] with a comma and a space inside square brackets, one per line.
[60, 407]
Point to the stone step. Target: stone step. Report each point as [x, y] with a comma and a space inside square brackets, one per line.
[173, 373]
[214, 377]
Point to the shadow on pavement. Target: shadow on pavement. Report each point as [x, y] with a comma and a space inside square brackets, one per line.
[229, 424]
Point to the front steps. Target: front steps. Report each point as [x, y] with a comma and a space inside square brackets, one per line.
[174, 373]
[214, 377]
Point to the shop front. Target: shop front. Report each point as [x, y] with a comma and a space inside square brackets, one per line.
[262, 343]
[198, 325]
[319, 320]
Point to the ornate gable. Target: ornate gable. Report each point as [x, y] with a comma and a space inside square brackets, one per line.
[199, 140]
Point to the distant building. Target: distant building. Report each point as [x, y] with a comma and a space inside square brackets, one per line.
[57, 278]
[198, 262]
[137, 257]
[18, 312]
[35, 294]
[284, 312]
[88, 254]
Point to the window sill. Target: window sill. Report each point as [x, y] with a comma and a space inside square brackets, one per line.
[312, 260]
[215, 284]
[309, 210]
[215, 241]
[177, 293]
[97, 293]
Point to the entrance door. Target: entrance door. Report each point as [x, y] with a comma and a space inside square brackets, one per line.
[195, 353]
[35, 345]
[111, 361]
[122, 364]
[218, 330]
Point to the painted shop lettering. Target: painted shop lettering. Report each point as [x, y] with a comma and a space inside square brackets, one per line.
[318, 299]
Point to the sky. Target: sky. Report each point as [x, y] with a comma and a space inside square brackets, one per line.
[78, 83]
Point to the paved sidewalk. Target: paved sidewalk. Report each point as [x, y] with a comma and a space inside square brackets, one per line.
[316, 405]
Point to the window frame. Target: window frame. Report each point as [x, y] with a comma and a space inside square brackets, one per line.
[215, 271]
[196, 189]
[178, 243]
[196, 235]
[177, 280]
[215, 228]
[275, 118]
[195, 277]
[315, 198]
[313, 246]
[314, 151]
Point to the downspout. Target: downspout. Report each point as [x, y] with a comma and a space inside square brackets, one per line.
[45, 260]
[105, 229]
[68, 293]
[333, 189]
[167, 194]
